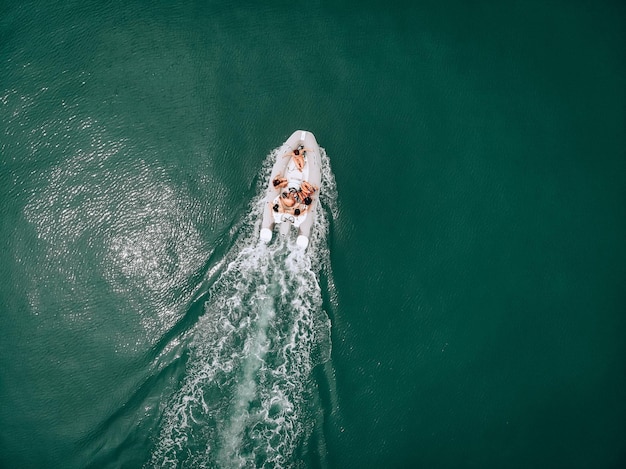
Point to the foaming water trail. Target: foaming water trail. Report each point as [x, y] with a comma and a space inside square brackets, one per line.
[245, 398]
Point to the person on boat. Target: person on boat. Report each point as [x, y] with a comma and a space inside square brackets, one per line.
[297, 210]
[288, 202]
[300, 150]
[307, 189]
[299, 160]
[299, 156]
[279, 182]
[300, 210]
[305, 192]
[288, 199]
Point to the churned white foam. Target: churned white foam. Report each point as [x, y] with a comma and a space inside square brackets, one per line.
[245, 398]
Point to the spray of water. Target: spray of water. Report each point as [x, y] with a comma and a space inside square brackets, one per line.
[245, 398]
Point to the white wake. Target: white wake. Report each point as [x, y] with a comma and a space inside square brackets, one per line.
[244, 400]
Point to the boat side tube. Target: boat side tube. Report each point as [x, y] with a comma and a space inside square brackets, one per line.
[314, 177]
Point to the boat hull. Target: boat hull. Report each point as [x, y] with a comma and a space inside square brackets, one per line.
[285, 166]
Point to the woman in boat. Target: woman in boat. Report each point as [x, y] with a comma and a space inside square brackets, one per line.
[286, 202]
[288, 199]
[307, 189]
[299, 156]
[279, 182]
[289, 203]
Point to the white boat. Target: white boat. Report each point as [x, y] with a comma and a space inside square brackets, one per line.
[295, 177]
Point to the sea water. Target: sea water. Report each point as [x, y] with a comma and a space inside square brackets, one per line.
[461, 303]
[247, 398]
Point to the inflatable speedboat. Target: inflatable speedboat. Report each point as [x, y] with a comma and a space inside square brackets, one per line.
[293, 190]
